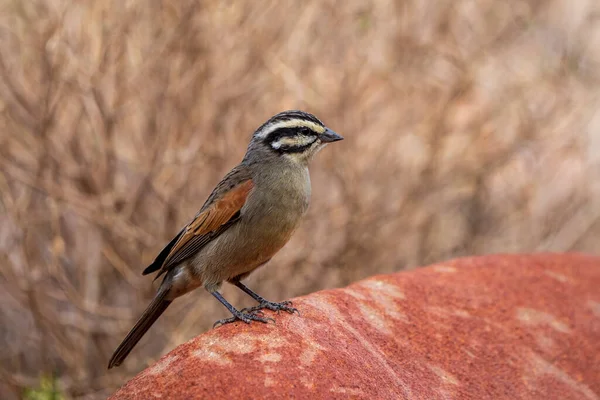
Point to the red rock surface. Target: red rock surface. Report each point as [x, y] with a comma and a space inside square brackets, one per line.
[494, 327]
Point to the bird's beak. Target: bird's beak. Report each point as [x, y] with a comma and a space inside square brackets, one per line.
[330, 136]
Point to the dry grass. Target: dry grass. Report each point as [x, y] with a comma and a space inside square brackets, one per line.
[471, 127]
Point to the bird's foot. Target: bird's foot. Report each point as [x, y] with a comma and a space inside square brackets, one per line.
[244, 315]
[284, 305]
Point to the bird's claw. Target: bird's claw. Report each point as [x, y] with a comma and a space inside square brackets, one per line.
[246, 316]
[284, 305]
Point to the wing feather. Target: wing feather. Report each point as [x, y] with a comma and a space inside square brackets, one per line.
[162, 256]
[222, 209]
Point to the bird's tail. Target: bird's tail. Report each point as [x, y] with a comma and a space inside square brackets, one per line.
[149, 317]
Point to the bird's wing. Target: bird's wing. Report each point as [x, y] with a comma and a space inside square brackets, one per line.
[221, 210]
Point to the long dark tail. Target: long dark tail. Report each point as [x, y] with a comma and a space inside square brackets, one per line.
[149, 317]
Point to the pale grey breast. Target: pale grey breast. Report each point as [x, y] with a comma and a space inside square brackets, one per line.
[269, 218]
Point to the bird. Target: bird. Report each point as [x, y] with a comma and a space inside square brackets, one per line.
[248, 217]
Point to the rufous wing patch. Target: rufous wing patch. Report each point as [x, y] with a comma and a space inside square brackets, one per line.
[213, 217]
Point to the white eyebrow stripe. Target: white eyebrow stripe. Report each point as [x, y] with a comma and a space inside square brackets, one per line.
[292, 123]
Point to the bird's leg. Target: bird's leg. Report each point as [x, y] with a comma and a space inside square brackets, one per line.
[263, 303]
[237, 315]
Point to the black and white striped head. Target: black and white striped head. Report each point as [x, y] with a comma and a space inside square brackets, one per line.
[294, 134]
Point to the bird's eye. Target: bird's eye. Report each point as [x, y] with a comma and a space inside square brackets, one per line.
[306, 131]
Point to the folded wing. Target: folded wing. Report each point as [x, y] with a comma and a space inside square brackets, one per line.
[221, 210]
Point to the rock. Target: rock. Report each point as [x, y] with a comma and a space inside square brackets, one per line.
[498, 327]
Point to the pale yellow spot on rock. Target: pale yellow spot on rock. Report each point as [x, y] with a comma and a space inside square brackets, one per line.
[321, 302]
[533, 317]
[388, 306]
[493, 324]
[469, 353]
[397, 315]
[461, 313]
[545, 342]
[273, 341]
[270, 357]
[308, 356]
[441, 326]
[245, 343]
[357, 295]
[542, 367]
[307, 382]
[311, 349]
[437, 311]
[443, 312]
[595, 306]
[347, 391]
[269, 382]
[162, 365]
[209, 355]
[444, 375]
[217, 351]
[374, 317]
[383, 295]
[555, 275]
[242, 343]
[444, 268]
[376, 286]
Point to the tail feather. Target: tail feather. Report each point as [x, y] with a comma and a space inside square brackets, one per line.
[149, 317]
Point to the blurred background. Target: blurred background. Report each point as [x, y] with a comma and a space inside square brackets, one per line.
[471, 127]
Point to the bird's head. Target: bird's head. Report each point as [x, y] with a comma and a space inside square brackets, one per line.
[295, 135]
